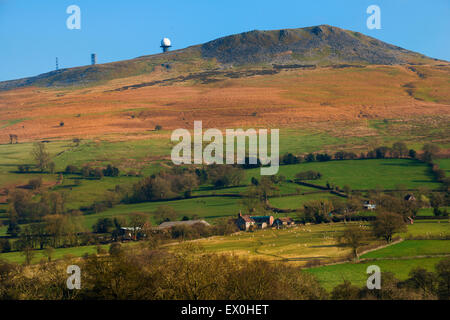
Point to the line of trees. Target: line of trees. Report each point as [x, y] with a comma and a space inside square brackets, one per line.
[181, 181]
[398, 150]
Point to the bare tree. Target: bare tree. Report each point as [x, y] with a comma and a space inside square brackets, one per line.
[354, 237]
[12, 138]
[41, 156]
[28, 253]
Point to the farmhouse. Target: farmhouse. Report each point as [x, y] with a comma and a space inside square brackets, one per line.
[245, 222]
[283, 222]
[170, 224]
[129, 233]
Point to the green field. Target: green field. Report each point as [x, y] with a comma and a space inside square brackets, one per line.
[444, 164]
[205, 208]
[428, 212]
[399, 258]
[365, 174]
[297, 245]
[411, 248]
[428, 228]
[295, 202]
[331, 276]
[18, 257]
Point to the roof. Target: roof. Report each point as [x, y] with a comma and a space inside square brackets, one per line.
[246, 218]
[130, 228]
[285, 219]
[170, 224]
[261, 218]
[410, 197]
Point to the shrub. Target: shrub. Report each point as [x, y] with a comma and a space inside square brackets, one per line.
[110, 171]
[103, 225]
[100, 250]
[323, 157]
[5, 245]
[70, 169]
[289, 158]
[115, 249]
[35, 183]
[308, 175]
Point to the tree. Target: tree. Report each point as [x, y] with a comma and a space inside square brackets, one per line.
[119, 222]
[443, 279]
[103, 225]
[318, 210]
[310, 157]
[345, 291]
[400, 149]
[41, 156]
[251, 200]
[412, 153]
[110, 171]
[48, 252]
[266, 188]
[137, 222]
[51, 167]
[289, 158]
[115, 249]
[308, 175]
[54, 226]
[71, 169]
[423, 280]
[165, 213]
[430, 151]
[354, 237]
[5, 245]
[381, 152]
[347, 189]
[387, 224]
[436, 201]
[28, 252]
[35, 184]
[52, 203]
[13, 229]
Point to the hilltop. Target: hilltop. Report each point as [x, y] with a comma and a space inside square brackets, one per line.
[312, 46]
[293, 78]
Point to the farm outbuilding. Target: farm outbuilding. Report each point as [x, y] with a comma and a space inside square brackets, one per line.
[283, 222]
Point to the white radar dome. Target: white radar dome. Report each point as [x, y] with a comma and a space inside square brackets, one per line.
[166, 42]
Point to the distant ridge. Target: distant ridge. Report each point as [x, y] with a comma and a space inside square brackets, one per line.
[322, 45]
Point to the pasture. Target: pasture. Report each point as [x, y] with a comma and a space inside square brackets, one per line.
[332, 275]
[59, 253]
[427, 228]
[297, 245]
[365, 174]
[409, 248]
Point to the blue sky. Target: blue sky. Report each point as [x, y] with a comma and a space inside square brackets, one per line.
[33, 33]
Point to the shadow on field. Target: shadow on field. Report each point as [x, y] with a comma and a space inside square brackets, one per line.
[307, 258]
[409, 164]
